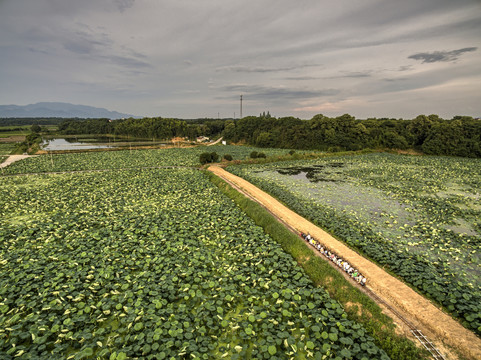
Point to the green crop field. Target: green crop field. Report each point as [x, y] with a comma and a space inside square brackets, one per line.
[7, 131]
[6, 148]
[131, 159]
[420, 217]
[154, 264]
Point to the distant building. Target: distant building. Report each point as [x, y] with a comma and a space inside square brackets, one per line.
[203, 139]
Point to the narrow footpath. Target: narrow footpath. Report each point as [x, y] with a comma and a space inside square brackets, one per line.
[13, 158]
[438, 326]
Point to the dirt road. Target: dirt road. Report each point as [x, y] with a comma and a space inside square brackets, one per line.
[13, 158]
[438, 326]
[215, 142]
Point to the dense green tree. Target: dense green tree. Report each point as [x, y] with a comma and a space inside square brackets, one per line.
[392, 140]
[265, 139]
[230, 130]
[420, 128]
[459, 136]
[35, 128]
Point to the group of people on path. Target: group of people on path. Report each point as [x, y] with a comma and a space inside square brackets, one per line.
[343, 264]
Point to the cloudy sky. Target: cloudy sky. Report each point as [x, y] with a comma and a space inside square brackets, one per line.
[194, 58]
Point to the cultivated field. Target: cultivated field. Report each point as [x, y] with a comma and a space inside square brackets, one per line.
[130, 159]
[5, 150]
[417, 216]
[152, 263]
[9, 131]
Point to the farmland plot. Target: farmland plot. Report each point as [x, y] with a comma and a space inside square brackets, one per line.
[418, 216]
[130, 159]
[6, 148]
[153, 264]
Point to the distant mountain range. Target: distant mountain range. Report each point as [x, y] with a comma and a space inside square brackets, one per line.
[58, 109]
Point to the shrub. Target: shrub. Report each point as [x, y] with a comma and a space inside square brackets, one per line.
[261, 155]
[254, 155]
[228, 157]
[206, 157]
[214, 157]
[35, 128]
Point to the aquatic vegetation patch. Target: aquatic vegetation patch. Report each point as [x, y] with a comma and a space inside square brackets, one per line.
[417, 216]
[154, 263]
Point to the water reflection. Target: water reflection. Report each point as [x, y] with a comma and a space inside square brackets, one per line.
[314, 173]
[70, 144]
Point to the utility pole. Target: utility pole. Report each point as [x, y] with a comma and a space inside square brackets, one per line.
[241, 107]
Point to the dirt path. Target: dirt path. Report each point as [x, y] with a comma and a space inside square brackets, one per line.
[13, 158]
[215, 142]
[437, 325]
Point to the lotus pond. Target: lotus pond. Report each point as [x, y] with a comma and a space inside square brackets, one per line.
[130, 159]
[153, 264]
[5, 150]
[420, 217]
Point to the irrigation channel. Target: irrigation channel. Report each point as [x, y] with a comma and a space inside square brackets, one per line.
[415, 331]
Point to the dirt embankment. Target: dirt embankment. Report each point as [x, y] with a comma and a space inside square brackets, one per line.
[438, 326]
[13, 158]
[12, 139]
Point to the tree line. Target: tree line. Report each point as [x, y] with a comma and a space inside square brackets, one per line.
[147, 128]
[32, 121]
[459, 136]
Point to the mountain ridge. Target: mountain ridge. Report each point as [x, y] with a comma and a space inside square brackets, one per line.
[58, 109]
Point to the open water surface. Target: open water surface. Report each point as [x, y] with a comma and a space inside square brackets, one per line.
[63, 144]
[92, 143]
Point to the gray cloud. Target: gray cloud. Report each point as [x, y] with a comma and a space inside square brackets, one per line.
[172, 57]
[84, 40]
[366, 32]
[395, 79]
[124, 4]
[440, 56]
[277, 93]
[259, 69]
[125, 61]
[38, 50]
[351, 74]
[99, 45]
[301, 78]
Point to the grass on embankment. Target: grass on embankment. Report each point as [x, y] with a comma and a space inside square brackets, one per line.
[358, 306]
[301, 155]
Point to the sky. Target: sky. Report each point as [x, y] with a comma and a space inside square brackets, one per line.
[194, 58]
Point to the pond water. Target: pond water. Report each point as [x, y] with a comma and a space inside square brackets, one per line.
[314, 173]
[92, 143]
[63, 144]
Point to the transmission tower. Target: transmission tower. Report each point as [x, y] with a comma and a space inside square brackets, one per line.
[241, 107]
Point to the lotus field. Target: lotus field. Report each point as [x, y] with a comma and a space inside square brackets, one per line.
[5, 149]
[130, 159]
[152, 264]
[420, 217]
